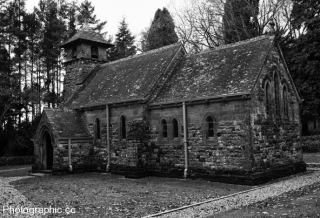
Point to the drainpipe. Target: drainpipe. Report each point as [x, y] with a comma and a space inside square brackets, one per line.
[108, 137]
[69, 155]
[185, 142]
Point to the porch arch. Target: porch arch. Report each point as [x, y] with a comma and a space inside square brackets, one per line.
[46, 149]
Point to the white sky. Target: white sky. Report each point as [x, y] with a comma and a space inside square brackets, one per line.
[138, 13]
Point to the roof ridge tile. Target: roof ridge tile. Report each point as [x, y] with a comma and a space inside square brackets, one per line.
[221, 47]
[141, 54]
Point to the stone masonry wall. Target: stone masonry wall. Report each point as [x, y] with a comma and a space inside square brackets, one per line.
[276, 139]
[81, 155]
[227, 151]
[75, 72]
[123, 151]
[84, 51]
[166, 155]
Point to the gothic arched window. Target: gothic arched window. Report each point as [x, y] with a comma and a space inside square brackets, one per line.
[276, 94]
[268, 99]
[97, 130]
[209, 126]
[94, 52]
[175, 128]
[123, 127]
[285, 101]
[164, 128]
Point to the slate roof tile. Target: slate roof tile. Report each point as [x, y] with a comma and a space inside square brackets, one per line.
[87, 35]
[67, 123]
[227, 70]
[125, 79]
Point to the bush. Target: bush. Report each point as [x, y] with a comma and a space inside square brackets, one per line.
[310, 143]
[24, 160]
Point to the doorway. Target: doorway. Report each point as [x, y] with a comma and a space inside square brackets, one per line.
[48, 151]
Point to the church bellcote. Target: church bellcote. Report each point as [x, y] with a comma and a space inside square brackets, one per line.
[84, 51]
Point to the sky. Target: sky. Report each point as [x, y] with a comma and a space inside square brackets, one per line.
[138, 13]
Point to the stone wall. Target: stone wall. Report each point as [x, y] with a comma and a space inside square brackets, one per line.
[75, 73]
[84, 51]
[276, 139]
[83, 156]
[166, 154]
[123, 152]
[227, 151]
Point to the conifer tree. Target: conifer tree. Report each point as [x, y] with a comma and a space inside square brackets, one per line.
[124, 43]
[86, 15]
[72, 18]
[161, 31]
[54, 31]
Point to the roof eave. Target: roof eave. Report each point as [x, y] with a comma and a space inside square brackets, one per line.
[69, 43]
[204, 100]
[112, 104]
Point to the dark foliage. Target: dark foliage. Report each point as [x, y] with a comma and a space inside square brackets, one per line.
[240, 20]
[19, 143]
[303, 57]
[160, 33]
[124, 43]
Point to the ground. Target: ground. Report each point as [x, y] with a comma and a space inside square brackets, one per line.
[302, 203]
[311, 157]
[106, 195]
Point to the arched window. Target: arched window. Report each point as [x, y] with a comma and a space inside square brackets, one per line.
[123, 127]
[268, 99]
[209, 126]
[175, 128]
[285, 101]
[164, 128]
[74, 51]
[276, 94]
[94, 52]
[97, 132]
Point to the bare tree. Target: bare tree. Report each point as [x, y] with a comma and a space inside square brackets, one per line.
[199, 23]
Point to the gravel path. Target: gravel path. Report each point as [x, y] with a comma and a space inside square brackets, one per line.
[245, 198]
[11, 197]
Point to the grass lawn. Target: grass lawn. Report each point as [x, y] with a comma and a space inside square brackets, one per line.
[311, 157]
[301, 203]
[107, 195]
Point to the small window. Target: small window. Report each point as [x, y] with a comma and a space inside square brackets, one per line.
[97, 129]
[123, 127]
[175, 128]
[209, 127]
[164, 128]
[74, 52]
[285, 101]
[94, 52]
[268, 99]
[276, 94]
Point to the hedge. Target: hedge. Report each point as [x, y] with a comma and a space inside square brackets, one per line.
[310, 143]
[22, 160]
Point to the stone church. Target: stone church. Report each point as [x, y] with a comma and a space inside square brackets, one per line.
[230, 114]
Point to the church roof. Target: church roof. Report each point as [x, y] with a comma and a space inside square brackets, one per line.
[87, 35]
[126, 79]
[68, 124]
[227, 70]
